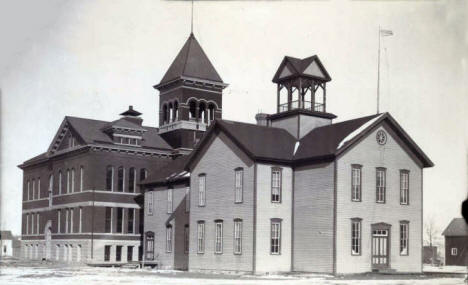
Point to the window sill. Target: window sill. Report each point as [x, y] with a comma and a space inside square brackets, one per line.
[356, 200]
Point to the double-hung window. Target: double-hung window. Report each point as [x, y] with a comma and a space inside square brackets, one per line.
[120, 179]
[109, 178]
[108, 220]
[237, 236]
[169, 200]
[130, 221]
[356, 182]
[380, 184]
[201, 237]
[201, 189]
[356, 236]
[404, 187]
[404, 237]
[275, 240]
[81, 178]
[187, 199]
[149, 248]
[276, 185]
[149, 203]
[239, 183]
[219, 236]
[119, 227]
[168, 238]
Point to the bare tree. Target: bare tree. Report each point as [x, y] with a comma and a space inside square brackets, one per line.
[431, 236]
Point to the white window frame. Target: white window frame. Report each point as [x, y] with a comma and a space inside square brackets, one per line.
[150, 203]
[169, 238]
[356, 233]
[276, 181]
[238, 185]
[237, 236]
[66, 220]
[404, 187]
[404, 238]
[275, 237]
[37, 223]
[71, 219]
[202, 190]
[454, 251]
[80, 226]
[59, 214]
[38, 188]
[169, 200]
[356, 183]
[218, 237]
[200, 237]
[73, 180]
[68, 181]
[381, 185]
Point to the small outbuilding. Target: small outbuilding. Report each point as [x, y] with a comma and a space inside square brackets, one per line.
[456, 242]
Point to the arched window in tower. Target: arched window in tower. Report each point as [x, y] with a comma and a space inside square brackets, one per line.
[211, 112]
[192, 110]
[164, 113]
[170, 116]
[202, 112]
[176, 111]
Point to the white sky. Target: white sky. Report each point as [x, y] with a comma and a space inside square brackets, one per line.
[94, 58]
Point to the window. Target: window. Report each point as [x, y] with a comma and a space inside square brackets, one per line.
[73, 180]
[275, 244]
[218, 236]
[71, 220]
[27, 224]
[187, 199]
[27, 194]
[59, 214]
[201, 189]
[33, 189]
[109, 178]
[32, 224]
[186, 238]
[404, 187]
[149, 203]
[168, 238]
[381, 185]
[68, 181]
[356, 236]
[143, 174]
[131, 180]
[356, 182]
[130, 253]
[201, 237]
[120, 179]
[108, 220]
[66, 220]
[38, 195]
[404, 237]
[80, 221]
[169, 201]
[107, 250]
[81, 178]
[239, 181]
[454, 251]
[119, 228]
[131, 221]
[276, 185]
[149, 250]
[118, 253]
[51, 184]
[60, 182]
[38, 223]
[237, 236]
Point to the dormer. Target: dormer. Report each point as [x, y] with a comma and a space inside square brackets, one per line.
[127, 130]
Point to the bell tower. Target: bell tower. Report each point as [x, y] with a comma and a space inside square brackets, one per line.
[301, 96]
[190, 96]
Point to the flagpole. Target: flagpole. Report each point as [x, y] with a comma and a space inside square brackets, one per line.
[378, 75]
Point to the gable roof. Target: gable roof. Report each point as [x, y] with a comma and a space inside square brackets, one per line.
[172, 172]
[271, 144]
[457, 227]
[192, 62]
[300, 68]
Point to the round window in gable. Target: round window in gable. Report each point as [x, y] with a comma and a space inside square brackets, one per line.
[381, 137]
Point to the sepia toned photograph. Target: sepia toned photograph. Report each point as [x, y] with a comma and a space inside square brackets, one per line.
[234, 142]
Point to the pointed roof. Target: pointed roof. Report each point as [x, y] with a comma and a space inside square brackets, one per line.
[310, 67]
[130, 112]
[457, 227]
[191, 62]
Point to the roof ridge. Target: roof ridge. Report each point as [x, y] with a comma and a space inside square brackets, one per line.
[191, 38]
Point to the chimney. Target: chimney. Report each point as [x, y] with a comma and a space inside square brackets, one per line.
[262, 119]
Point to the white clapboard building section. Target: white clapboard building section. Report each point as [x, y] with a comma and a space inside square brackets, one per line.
[294, 192]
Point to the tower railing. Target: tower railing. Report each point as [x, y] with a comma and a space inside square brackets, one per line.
[307, 105]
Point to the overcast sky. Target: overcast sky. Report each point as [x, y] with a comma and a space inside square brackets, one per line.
[94, 58]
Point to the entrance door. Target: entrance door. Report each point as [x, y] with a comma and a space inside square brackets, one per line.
[380, 248]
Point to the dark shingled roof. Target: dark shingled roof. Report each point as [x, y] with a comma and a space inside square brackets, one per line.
[131, 112]
[174, 171]
[191, 62]
[457, 227]
[299, 66]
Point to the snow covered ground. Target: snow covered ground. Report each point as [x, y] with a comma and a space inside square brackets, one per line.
[54, 274]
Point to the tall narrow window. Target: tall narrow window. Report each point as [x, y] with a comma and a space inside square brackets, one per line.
[120, 179]
[131, 180]
[356, 236]
[80, 221]
[238, 187]
[143, 174]
[186, 238]
[68, 181]
[201, 237]
[237, 236]
[149, 248]
[66, 220]
[219, 236]
[71, 220]
[356, 182]
[169, 200]
[59, 215]
[276, 185]
[149, 203]
[107, 250]
[187, 199]
[404, 237]
[381, 185]
[27, 224]
[38, 188]
[129, 253]
[27, 194]
[404, 187]
[33, 189]
[201, 189]
[60, 182]
[118, 253]
[73, 180]
[51, 184]
[109, 178]
[168, 238]
[38, 223]
[131, 221]
[119, 228]
[275, 244]
[81, 178]
[108, 220]
[32, 224]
